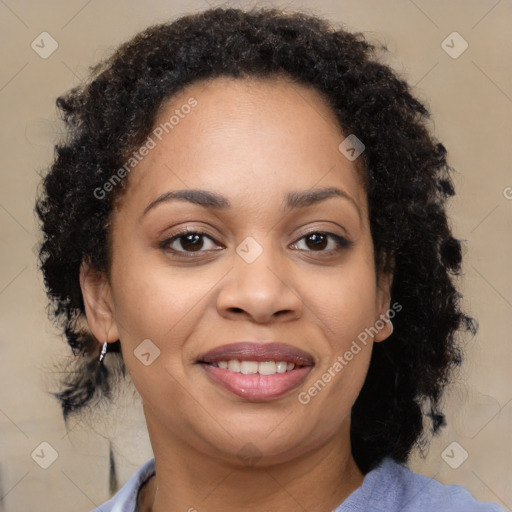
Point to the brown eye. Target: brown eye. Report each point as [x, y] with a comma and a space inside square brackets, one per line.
[318, 241]
[189, 242]
[192, 242]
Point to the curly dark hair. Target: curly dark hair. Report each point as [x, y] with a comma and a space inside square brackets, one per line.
[407, 181]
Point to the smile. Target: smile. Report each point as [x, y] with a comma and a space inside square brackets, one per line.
[252, 367]
[257, 371]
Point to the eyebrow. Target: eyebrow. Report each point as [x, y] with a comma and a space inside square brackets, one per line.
[216, 201]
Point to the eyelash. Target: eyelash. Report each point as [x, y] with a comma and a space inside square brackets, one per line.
[342, 242]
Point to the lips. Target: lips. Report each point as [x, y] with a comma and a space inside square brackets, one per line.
[253, 384]
[247, 351]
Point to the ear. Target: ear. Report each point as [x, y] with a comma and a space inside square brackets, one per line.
[385, 280]
[99, 307]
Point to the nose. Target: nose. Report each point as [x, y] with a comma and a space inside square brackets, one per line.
[261, 291]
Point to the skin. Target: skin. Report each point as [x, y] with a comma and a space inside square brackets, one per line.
[253, 141]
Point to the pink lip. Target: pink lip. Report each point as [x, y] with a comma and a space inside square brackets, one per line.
[247, 351]
[256, 387]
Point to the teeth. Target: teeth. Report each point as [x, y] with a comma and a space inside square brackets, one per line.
[253, 367]
[248, 367]
[233, 365]
[281, 367]
[267, 368]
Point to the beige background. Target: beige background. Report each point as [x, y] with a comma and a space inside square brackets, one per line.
[471, 102]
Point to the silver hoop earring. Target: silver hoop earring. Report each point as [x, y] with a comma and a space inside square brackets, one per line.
[103, 351]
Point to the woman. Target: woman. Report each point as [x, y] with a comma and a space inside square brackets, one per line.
[249, 215]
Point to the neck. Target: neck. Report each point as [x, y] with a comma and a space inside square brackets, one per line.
[188, 480]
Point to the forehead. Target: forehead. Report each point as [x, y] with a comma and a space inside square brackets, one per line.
[240, 135]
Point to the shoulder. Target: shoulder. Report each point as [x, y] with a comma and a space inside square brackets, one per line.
[393, 487]
[125, 500]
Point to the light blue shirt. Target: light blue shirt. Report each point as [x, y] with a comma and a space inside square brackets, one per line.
[390, 487]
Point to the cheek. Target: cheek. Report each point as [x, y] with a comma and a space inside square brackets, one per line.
[155, 303]
[152, 299]
[345, 306]
[344, 301]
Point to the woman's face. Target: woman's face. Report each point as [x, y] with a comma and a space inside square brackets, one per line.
[272, 259]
